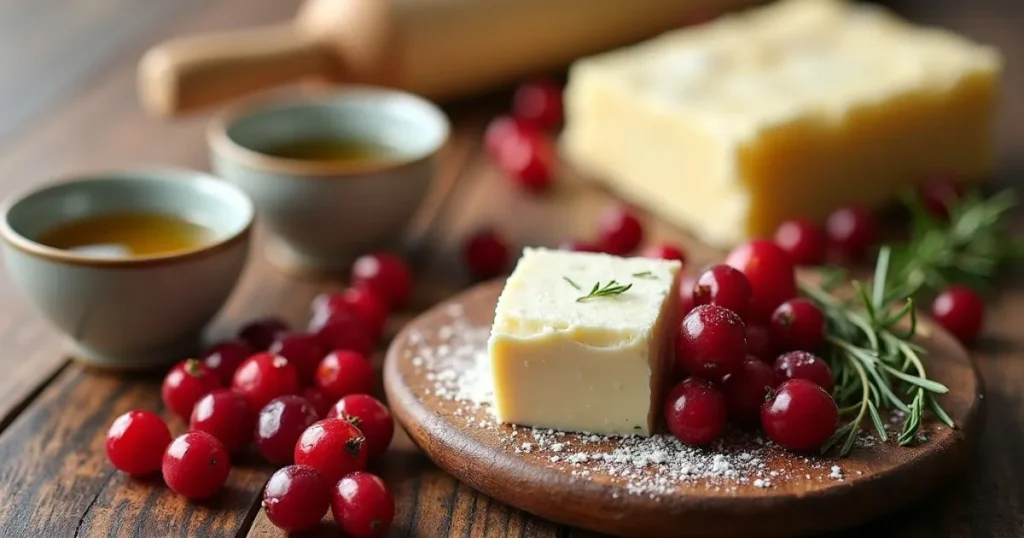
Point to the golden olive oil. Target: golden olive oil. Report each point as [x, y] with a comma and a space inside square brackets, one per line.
[331, 150]
[127, 234]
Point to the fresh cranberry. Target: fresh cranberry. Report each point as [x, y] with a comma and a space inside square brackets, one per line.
[797, 324]
[362, 505]
[498, 130]
[940, 194]
[804, 365]
[196, 465]
[385, 274]
[262, 332]
[136, 442]
[527, 157]
[620, 230]
[485, 254]
[265, 376]
[759, 343]
[332, 446]
[799, 415]
[665, 251]
[746, 389]
[296, 498]
[341, 329]
[344, 372]
[686, 295]
[723, 286]
[771, 275]
[303, 350]
[695, 411]
[279, 426]
[539, 103]
[960, 311]
[803, 240]
[364, 303]
[226, 415]
[712, 342]
[371, 417]
[320, 401]
[852, 231]
[578, 245]
[185, 384]
[224, 357]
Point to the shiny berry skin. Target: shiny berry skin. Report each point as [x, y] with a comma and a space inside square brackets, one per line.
[527, 157]
[303, 351]
[344, 372]
[939, 195]
[364, 303]
[362, 505]
[136, 442]
[341, 329]
[296, 498]
[498, 130]
[262, 332]
[371, 417]
[385, 274]
[959, 310]
[804, 365]
[695, 411]
[803, 240]
[852, 231]
[279, 426]
[771, 275]
[579, 245]
[196, 465]
[226, 415]
[320, 401]
[759, 343]
[620, 230]
[185, 384]
[332, 446]
[225, 357]
[799, 415]
[711, 343]
[485, 254]
[797, 324]
[665, 251]
[538, 103]
[263, 377]
[724, 286]
[746, 389]
[686, 295]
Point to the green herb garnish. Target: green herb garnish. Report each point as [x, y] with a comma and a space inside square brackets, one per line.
[571, 283]
[644, 274]
[610, 289]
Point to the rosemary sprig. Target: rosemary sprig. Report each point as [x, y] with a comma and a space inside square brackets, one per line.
[571, 283]
[610, 289]
[644, 274]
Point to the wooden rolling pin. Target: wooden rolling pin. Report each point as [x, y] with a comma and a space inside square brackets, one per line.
[441, 49]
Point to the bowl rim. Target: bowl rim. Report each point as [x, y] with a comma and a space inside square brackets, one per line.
[33, 248]
[222, 144]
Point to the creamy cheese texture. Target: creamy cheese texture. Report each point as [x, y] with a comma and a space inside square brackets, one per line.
[595, 365]
[789, 110]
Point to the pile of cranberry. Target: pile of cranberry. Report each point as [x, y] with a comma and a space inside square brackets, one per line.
[301, 398]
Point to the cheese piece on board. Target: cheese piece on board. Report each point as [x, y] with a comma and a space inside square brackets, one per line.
[596, 365]
[788, 110]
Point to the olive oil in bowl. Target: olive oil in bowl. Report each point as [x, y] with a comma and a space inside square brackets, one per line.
[335, 150]
[123, 235]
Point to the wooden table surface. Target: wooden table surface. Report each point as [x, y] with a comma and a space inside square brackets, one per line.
[67, 104]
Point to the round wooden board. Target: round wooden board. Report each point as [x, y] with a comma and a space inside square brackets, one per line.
[803, 495]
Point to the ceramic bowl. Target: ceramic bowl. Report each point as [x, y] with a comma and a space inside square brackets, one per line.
[129, 312]
[321, 214]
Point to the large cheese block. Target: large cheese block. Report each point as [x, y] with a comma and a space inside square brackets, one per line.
[595, 364]
[788, 110]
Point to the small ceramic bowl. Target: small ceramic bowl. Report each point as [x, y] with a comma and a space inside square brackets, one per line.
[322, 214]
[129, 312]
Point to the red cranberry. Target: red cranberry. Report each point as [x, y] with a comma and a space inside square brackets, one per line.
[759, 343]
[577, 245]
[226, 415]
[341, 329]
[665, 251]
[695, 411]
[320, 401]
[800, 415]
[279, 426]
[196, 465]
[771, 275]
[136, 442]
[797, 324]
[538, 102]
[960, 311]
[185, 384]
[711, 343]
[344, 372]
[803, 240]
[527, 157]
[385, 274]
[723, 286]
[939, 195]
[296, 498]
[852, 231]
[620, 230]
[303, 350]
[262, 332]
[362, 505]
[747, 388]
[371, 417]
[332, 446]
[363, 303]
[686, 295]
[499, 130]
[485, 254]
[804, 365]
[263, 377]
[223, 358]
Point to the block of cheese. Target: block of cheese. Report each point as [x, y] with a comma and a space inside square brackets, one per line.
[588, 365]
[788, 110]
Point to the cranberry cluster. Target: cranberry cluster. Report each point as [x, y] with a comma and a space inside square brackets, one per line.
[518, 143]
[301, 398]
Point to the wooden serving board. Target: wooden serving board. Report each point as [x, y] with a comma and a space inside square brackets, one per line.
[435, 378]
